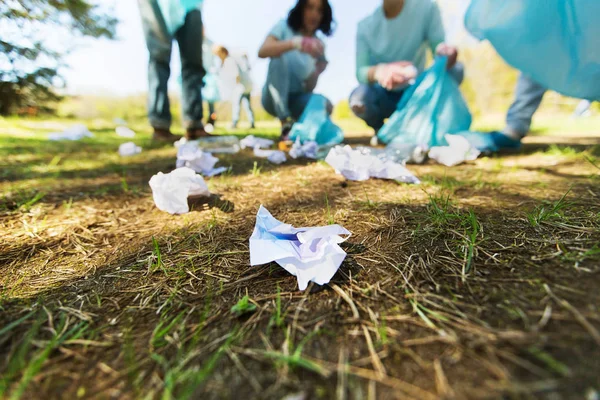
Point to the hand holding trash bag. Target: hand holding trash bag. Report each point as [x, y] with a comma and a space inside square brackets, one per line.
[445, 50]
[309, 45]
[393, 75]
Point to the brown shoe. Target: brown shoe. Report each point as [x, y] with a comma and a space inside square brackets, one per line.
[164, 135]
[196, 133]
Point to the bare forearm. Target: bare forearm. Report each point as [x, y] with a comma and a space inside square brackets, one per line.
[275, 48]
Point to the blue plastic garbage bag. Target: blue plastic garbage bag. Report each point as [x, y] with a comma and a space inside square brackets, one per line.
[428, 110]
[315, 125]
[175, 11]
[555, 42]
[210, 90]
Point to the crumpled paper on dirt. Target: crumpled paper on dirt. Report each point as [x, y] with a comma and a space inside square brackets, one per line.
[74, 133]
[171, 191]
[191, 156]
[252, 142]
[354, 165]
[129, 149]
[125, 132]
[458, 151]
[307, 150]
[310, 254]
[274, 156]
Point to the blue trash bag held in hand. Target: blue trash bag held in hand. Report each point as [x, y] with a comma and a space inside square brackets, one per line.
[315, 124]
[428, 110]
[175, 11]
[554, 42]
[210, 90]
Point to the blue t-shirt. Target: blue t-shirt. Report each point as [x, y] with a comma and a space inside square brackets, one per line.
[301, 65]
[175, 11]
[403, 38]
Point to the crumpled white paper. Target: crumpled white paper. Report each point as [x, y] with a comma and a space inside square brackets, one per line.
[171, 191]
[129, 149]
[310, 254]
[458, 151]
[274, 156]
[125, 132]
[357, 166]
[191, 156]
[307, 150]
[75, 132]
[253, 142]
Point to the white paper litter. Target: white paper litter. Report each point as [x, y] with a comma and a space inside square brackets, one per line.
[310, 254]
[458, 151]
[75, 132]
[214, 144]
[306, 150]
[125, 132]
[274, 156]
[252, 142]
[129, 149]
[191, 156]
[171, 191]
[357, 166]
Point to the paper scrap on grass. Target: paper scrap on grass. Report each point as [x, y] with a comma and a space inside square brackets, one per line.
[252, 142]
[458, 151]
[354, 165]
[129, 149]
[310, 254]
[171, 191]
[307, 150]
[214, 144]
[125, 132]
[74, 133]
[274, 156]
[191, 156]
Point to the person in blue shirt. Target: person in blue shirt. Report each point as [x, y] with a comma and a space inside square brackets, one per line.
[297, 60]
[164, 21]
[391, 49]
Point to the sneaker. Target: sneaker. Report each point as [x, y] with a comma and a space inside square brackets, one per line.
[505, 142]
[253, 126]
[164, 136]
[212, 119]
[196, 133]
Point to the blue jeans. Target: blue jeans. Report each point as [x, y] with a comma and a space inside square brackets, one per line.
[373, 104]
[276, 97]
[241, 99]
[159, 43]
[528, 97]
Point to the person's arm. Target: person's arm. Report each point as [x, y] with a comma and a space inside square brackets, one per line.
[273, 47]
[436, 36]
[365, 73]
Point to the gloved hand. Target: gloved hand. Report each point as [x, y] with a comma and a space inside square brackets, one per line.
[393, 75]
[309, 45]
[446, 50]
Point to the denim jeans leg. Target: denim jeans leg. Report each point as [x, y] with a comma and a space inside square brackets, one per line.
[373, 104]
[528, 97]
[159, 44]
[190, 37]
[246, 102]
[298, 102]
[277, 88]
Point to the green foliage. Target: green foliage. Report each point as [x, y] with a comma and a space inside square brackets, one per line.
[28, 63]
[546, 212]
[243, 306]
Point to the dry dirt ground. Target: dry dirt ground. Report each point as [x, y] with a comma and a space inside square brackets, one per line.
[481, 283]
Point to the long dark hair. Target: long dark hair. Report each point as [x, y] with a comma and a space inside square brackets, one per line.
[296, 17]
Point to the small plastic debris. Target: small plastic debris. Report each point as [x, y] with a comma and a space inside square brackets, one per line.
[274, 156]
[307, 150]
[191, 156]
[354, 165]
[125, 132]
[310, 254]
[253, 142]
[458, 151]
[129, 149]
[171, 191]
[74, 133]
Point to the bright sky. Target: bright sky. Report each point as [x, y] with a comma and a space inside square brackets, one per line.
[119, 67]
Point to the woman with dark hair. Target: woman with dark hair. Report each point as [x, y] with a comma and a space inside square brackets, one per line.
[297, 60]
